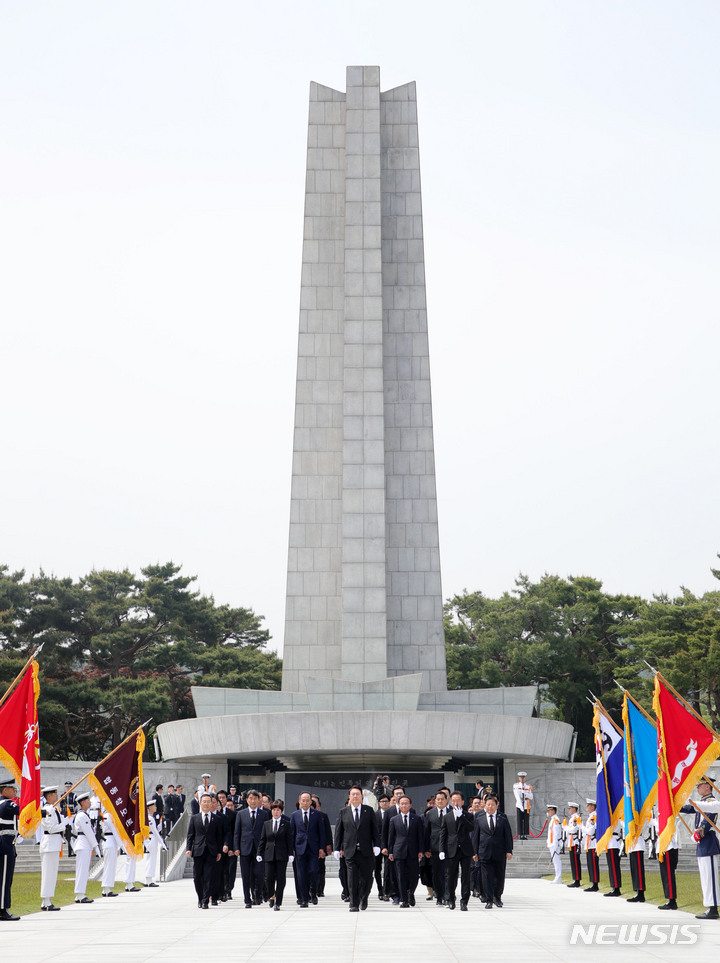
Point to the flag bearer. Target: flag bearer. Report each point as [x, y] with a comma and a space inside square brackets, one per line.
[590, 833]
[53, 825]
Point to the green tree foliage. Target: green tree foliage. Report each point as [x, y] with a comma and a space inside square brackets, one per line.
[119, 649]
[565, 635]
[680, 637]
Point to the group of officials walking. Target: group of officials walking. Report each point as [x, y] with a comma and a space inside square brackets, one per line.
[449, 842]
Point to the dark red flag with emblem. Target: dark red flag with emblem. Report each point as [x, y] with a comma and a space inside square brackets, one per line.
[20, 746]
[119, 783]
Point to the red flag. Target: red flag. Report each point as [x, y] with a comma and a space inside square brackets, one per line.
[20, 746]
[686, 748]
[119, 782]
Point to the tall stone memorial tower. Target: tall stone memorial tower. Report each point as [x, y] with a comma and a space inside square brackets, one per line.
[364, 685]
[364, 601]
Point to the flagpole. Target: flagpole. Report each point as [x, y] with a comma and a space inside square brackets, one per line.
[20, 674]
[704, 815]
[609, 718]
[104, 759]
[636, 703]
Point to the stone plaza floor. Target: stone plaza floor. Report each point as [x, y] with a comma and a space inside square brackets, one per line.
[537, 921]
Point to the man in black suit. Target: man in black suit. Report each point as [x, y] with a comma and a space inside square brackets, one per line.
[328, 844]
[357, 839]
[274, 852]
[158, 797]
[170, 804]
[227, 815]
[248, 827]
[180, 796]
[406, 838]
[307, 831]
[204, 844]
[383, 866]
[456, 842]
[433, 826]
[493, 845]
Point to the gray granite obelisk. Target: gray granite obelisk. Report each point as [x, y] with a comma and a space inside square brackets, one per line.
[364, 600]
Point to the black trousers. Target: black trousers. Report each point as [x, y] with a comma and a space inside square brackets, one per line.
[637, 871]
[493, 877]
[342, 873]
[523, 822]
[321, 877]
[463, 865]
[307, 875]
[613, 861]
[230, 873]
[275, 879]
[203, 869]
[7, 870]
[438, 876]
[406, 874]
[359, 875]
[575, 864]
[252, 877]
[668, 865]
[477, 878]
[593, 866]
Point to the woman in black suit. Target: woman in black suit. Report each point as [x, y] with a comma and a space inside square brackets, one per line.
[274, 849]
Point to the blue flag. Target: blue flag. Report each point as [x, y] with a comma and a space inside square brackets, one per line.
[609, 771]
[640, 769]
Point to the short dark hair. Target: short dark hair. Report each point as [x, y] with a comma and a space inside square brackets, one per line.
[491, 795]
[356, 787]
[277, 804]
[253, 792]
[399, 787]
[159, 786]
[456, 792]
[406, 797]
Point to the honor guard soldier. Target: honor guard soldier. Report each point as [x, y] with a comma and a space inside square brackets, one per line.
[573, 834]
[554, 841]
[111, 847]
[668, 865]
[636, 855]
[9, 813]
[69, 805]
[523, 797]
[85, 843]
[53, 824]
[206, 785]
[707, 848]
[614, 848]
[153, 844]
[590, 832]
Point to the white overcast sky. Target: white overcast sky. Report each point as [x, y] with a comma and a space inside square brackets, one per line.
[152, 161]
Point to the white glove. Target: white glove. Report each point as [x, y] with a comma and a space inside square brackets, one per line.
[259, 859]
[458, 811]
[441, 856]
[291, 860]
[376, 850]
[336, 854]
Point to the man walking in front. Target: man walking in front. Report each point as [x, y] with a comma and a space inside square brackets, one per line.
[204, 844]
[308, 844]
[493, 845]
[357, 839]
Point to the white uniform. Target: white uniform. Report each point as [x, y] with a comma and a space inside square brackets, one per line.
[153, 844]
[84, 846]
[53, 824]
[111, 845]
[590, 831]
[523, 796]
[554, 844]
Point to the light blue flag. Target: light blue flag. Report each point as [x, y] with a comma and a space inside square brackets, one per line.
[639, 768]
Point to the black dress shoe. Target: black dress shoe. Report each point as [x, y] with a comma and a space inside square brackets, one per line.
[450, 905]
[200, 904]
[248, 906]
[711, 913]
[498, 902]
[592, 889]
[84, 900]
[213, 902]
[50, 909]
[404, 906]
[314, 900]
[363, 904]
[151, 885]
[613, 892]
[411, 899]
[440, 902]
[132, 889]
[271, 901]
[204, 904]
[303, 905]
[670, 905]
[463, 906]
[276, 907]
[574, 885]
[110, 894]
[488, 906]
[354, 909]
[345, 898]
[639, 898]
[229, 896]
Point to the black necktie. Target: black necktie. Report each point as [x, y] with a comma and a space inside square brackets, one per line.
[275, 827]
[492, 824]
[357, 818]
[252, 819]
[305, 820]
[405, 821]
[205, 820]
